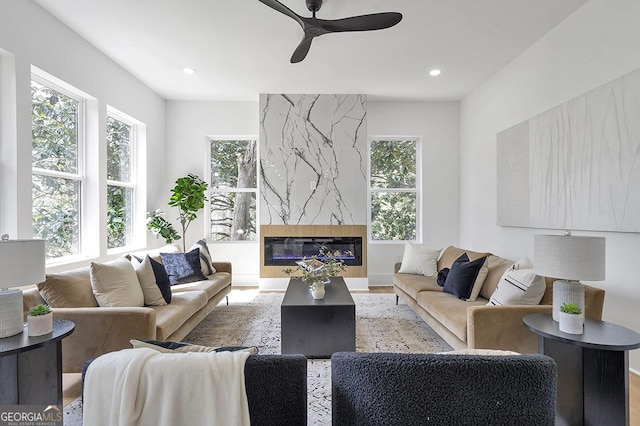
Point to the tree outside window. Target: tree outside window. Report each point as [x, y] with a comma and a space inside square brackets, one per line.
[393, 189]
[56, 169]
[120, 185]
[233, 190]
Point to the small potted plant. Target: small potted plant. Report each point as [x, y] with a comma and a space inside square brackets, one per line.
[317, 270]
[39, 320]
[571, 319]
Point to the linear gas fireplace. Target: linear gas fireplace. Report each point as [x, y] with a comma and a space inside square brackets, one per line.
[285, 251]
[282, 245]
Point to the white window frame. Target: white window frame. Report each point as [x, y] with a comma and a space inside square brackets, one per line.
[207, 173]
[138, 214]
[58, 85]
[417, 190]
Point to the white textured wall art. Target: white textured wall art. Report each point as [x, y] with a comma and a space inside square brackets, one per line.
[576, 166]
[313, 159]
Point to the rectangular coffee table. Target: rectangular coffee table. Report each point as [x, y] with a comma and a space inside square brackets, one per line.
[318, 328]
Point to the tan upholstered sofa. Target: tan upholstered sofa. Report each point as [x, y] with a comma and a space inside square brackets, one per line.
[464, 324]
[99, 330]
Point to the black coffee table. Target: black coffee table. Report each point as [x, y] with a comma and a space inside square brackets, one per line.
[318, 328]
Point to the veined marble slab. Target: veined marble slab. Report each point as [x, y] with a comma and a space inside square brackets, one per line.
[313, 159]
[580, 168]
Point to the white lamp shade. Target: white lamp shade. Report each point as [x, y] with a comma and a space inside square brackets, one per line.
[570, 257]
[22, 262]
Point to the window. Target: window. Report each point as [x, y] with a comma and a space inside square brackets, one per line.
[57, 167]
[394, 188]
[233, 190]
[120, 180]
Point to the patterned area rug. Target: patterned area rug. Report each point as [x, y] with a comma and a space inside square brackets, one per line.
[253, 319]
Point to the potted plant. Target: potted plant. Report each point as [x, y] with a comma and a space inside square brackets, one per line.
[571, 319]
[316, 271]
[188, 196]
[39, 320]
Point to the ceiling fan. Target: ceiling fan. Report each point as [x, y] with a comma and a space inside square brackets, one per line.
[316, 27]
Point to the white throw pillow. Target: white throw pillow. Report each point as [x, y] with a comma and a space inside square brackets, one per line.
[419, 259]
[147, 279]
[115, 283]
[519, 285]
[205, 257]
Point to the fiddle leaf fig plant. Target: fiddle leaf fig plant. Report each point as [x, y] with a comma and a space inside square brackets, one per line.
[570, 308]
[188, 196]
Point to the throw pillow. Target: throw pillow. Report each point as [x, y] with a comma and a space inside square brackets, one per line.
[115, 283]
[180, 347]
[162, 278]
[442, 276]
[183, 267]
[479, 281]
[419, 259]
[462, 276]
[144, 270]
[519, 285]
[206, 265]
[71, 289]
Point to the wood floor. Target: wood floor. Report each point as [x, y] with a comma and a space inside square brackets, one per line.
[634, 379]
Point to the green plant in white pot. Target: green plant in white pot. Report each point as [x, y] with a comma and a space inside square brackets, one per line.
[571, 319]
[39, 320]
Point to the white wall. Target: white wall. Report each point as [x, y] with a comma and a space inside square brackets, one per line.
[437, 123]
[595, 45]
[30, 36]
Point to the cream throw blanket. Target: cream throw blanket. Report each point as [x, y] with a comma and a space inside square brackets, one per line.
[145, 387]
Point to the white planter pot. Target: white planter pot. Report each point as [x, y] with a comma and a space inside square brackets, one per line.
[317, 290]
[570, 323]
[40, 324]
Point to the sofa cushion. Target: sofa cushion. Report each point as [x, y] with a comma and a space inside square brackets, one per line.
[413, 284]
[497, 266]
[71, 289]
[463, 275]
[519, 285]
[419, 259]
[183, 306]
[451, 253]
[183, 267]
[212, 285]
[147, 278]
[115, 284]
[205, 257]
[450, 311]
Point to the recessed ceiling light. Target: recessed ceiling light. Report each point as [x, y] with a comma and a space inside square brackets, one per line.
[435, 72]
[188, 70]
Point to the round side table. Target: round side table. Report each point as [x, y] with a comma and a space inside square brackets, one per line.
[31, 367]
[593, 369]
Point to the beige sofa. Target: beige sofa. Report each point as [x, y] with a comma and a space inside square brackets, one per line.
[99, 330]
[465, 324]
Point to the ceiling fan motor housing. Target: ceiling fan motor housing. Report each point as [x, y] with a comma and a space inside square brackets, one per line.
[314, 5]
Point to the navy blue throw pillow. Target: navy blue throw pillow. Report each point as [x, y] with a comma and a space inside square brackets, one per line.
[162, 279]
[462, 275]
[183, 267]
[442, 276]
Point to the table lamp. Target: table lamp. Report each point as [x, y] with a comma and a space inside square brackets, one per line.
[22, 262]
[569, 259]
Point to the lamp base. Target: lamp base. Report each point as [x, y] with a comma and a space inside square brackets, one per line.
[567, 292]
[11, 314]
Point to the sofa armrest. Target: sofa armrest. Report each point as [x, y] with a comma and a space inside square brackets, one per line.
[222, 266]
[101, 330]
[501, 327]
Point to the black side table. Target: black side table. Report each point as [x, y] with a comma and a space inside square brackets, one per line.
[31, 367]
[593, 369]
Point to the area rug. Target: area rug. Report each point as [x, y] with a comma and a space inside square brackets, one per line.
[252, 318]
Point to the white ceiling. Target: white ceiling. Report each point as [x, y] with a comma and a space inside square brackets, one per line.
[241, 48]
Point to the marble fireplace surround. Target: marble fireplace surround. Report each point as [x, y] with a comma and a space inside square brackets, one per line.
[313, 231]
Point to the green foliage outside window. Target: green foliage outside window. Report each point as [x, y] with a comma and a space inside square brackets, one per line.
[119, 198]
[56, 186]
[393, 190]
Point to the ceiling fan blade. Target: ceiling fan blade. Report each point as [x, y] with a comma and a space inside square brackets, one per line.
[374, 21]
[301, 51]
[276, 5]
